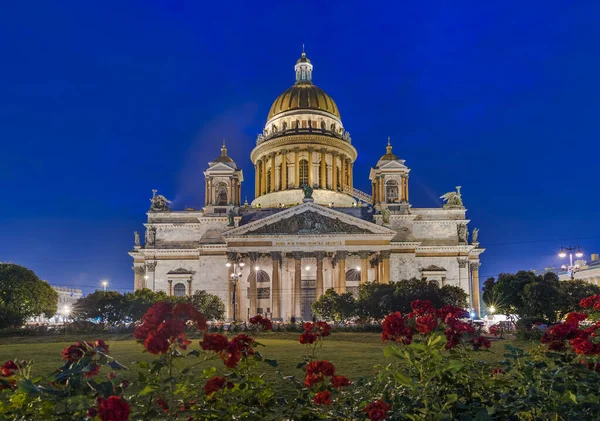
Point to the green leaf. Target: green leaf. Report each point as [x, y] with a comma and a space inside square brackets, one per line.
[391, 351]
[147, 390]
[454, 366]
[402, 379]
[569, 396]
[28, 387]
[272, 363]
[301, 365]
[451, 398]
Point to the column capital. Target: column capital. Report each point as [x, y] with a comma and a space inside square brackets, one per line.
[253, 255]
[341, 255]
[298, 255]
[334, 153]
[323, 150]
[385, 254]
[462, 262]
[170, 281]
[276, 256]
[138, 269]
[150, 266]
[474, 265]
[320, 255]
[364, 254]
[296, 149]
[310, 149]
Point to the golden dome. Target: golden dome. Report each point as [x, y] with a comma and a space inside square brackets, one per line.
[303, 96]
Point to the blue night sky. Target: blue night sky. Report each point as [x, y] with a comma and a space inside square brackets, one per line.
[100, 102]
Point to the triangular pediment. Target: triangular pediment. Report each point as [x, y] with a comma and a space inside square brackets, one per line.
[309, 219]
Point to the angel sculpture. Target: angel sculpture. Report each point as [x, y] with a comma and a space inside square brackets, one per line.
[453, 199]
[159, 203]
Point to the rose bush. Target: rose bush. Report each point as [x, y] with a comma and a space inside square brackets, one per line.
[433, 374]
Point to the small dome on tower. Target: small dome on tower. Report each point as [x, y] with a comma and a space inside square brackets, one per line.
[223, 157]
[389, 156]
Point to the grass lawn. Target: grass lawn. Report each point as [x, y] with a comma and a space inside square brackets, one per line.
[354, 354]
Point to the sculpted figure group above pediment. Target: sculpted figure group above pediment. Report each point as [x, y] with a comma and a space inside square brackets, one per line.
[309, 223]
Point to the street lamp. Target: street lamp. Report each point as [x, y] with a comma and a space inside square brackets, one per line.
[572, 268]
[66, 311]
[104, 284]
[146, 281]
[236, 275]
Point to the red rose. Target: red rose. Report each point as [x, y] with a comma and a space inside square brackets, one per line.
[575, 318]
[320, 367]
[189, 312]
[340, 381]
[214, 342]
[74, 352]
[377, 411]
[426, 324]
[451, 311]
[497, 371]
[113, 409]
[163, 405]
[480, 342]
[156, 343]
[214, 384]
[9, 368]
[312, 379]
[582, 346]
[421, 307]
[100, 345]
[323, 398]
[244, 344]
[182, 341]
[142, 331]
[112, 375]
[323, 329]
[256, 319]
[393, 327]
[171, 328]
[590, 302]
[157, 313]
[92, 370]
[308, 338]
[231, 355]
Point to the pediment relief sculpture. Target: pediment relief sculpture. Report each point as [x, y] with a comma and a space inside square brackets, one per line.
[309, 223]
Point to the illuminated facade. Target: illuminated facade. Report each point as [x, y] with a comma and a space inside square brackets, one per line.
[307, 229]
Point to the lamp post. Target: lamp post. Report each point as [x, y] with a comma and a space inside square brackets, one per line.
[572, 268]
[146, 281]
[104, 285]
[236, 275]
[66, 312]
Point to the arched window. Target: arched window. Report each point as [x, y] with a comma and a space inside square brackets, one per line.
[179, 290]
[221, 194]
[391, 191]
[303, 172]
[353, 275]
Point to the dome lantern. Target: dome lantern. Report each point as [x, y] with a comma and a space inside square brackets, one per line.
[303, 69]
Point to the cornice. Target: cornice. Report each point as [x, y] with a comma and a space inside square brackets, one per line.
[309, 140]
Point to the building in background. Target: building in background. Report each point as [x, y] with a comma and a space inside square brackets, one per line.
[587, 271]
[308, 229]
[67, 297]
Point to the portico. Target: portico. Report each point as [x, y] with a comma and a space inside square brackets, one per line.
[306, 250]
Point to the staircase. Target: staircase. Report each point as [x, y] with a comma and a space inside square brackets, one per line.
[360, 195]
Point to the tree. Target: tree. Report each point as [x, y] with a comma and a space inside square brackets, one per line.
[541, 298]
[571, 293]
[208, 304]
[334, 306]
[453, 295]
[23, 295]
[141, 300]
[105, 307]
[375, 301]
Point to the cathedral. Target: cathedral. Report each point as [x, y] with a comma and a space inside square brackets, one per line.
[307, 229]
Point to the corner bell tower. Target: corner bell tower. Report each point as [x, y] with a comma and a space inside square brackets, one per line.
[389, 180]
[223, 184]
